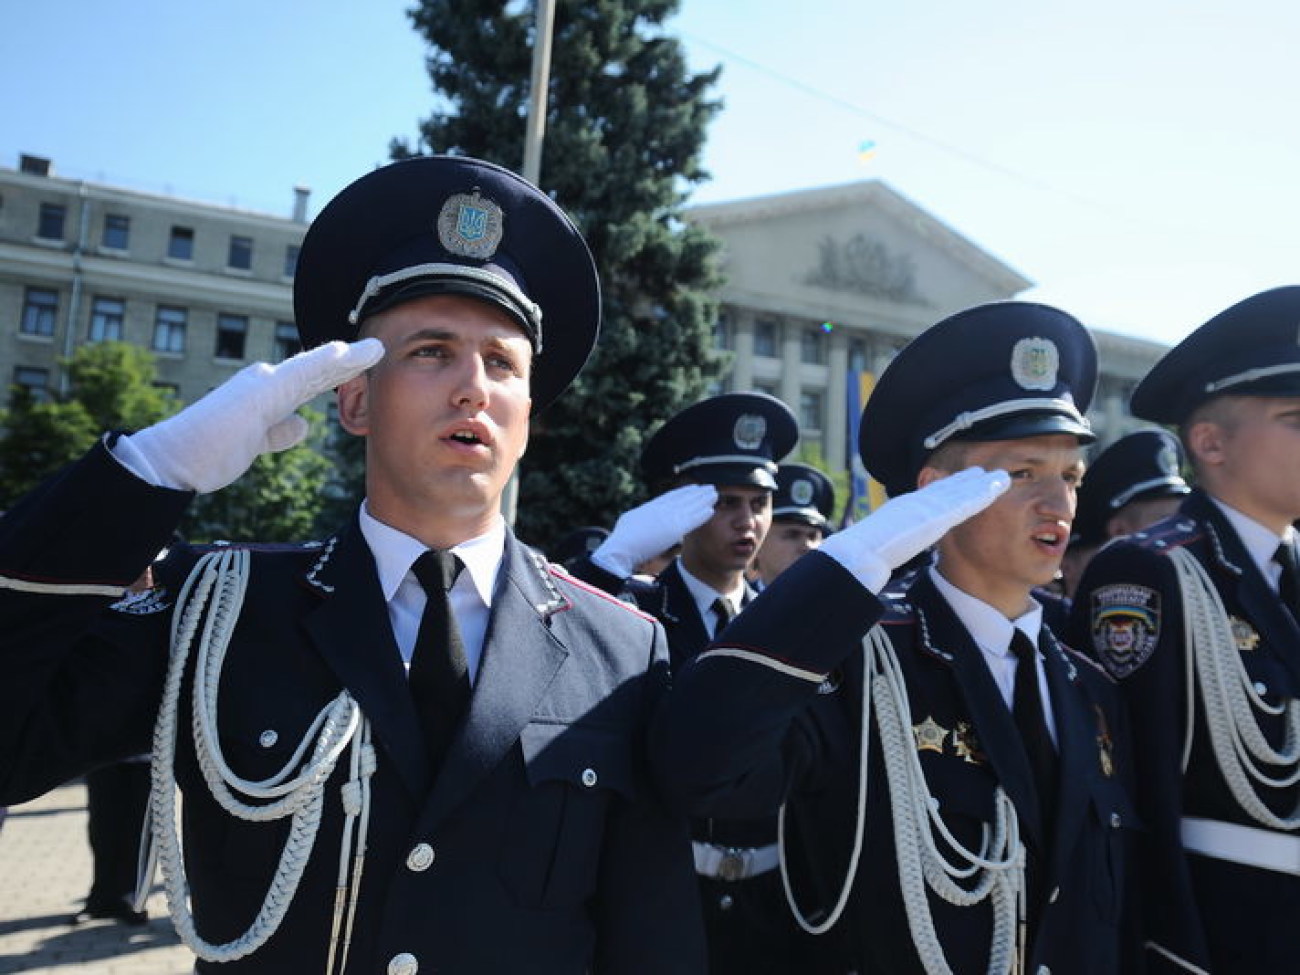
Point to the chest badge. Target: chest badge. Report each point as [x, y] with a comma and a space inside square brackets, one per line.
[930, 736]
[967, 744]
[1243, 634]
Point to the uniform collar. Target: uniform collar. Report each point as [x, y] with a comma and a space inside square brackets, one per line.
[704, 594]
[1260, 542]
[395, 552]
[990, 630]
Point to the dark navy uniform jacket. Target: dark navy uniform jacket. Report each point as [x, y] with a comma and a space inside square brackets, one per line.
[551, 853]
[738, 736]
[1129, 612]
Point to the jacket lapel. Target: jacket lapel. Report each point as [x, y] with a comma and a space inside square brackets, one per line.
[1252, 592]
[687, 634]
[351, 630]
[1076, 746]
[945, 637]
[521, 656]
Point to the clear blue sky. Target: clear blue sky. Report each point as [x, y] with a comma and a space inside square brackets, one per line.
[1137, 159]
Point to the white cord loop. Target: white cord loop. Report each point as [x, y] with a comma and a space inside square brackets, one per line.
[998, 867]
[1215, 666]
[213, 596]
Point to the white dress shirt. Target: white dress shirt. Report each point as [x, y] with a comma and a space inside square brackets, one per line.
[1260, 542]
[992, 633]
[471, 596]
[705, 595]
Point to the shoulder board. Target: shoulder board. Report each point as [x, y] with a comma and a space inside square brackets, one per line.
[1170, 533]
[272, 547]
[899, 610]
[559, 573]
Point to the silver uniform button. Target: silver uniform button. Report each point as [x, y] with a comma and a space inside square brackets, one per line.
[420, 858]
[1261, 688]
[403, 964]
[589, 777]
[1115, 821]
[1044, 970]
[268, 738]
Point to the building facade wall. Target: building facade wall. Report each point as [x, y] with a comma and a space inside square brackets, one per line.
[142, 253]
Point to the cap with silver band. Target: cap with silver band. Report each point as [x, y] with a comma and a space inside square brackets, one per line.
[453, 225]
[1142, 466]
[732, 438]
[1249, 349]
[1000, 371]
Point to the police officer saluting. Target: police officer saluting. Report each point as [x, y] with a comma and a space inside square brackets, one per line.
[951, 778]
[718, 460]
[801, 512]
[486, 813]
[1197, 619]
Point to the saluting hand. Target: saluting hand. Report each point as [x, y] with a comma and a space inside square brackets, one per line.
[213, 441]
[654, 527]
[905, 526]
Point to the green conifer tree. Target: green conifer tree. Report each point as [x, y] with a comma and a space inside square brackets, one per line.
[625, 129]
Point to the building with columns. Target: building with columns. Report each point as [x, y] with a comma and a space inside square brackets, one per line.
[825, 283]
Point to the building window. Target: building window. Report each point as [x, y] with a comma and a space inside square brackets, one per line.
[50, 224]
[180, 245]
[811, 409]
[172, 390]
[241, 253]
[812, 346]
[169, 330]
[36, 381]
[106, 316]
[117, 231]
[40, 307]
[722, 335]
[765, 338]
[769, 388]
[286, 340]
[291, 260]
[231, 332]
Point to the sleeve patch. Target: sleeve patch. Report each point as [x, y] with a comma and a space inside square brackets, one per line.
[1125, 626]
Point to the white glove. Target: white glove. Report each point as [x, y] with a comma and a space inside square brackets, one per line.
[905, 526]
[212, 442]
[655, 526]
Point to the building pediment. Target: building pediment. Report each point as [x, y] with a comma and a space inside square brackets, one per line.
[857, 246]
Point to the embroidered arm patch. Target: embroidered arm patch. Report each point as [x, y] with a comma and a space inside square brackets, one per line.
[1125, 626]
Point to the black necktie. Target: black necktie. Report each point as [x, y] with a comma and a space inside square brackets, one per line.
[1027, 709]
[1287, 588]
[722, 614]
[439, 673]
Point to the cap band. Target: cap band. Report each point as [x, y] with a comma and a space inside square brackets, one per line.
[1035, 404]
[531, 311]
[807, 510]
[1250, 375]
[750, 459]
[1127, 495]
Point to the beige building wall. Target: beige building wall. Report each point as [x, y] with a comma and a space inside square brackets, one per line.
[127, 252]
[877, 269]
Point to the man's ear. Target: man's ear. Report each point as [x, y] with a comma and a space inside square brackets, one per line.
[1206, 441]
[353, 399]
[928, 475]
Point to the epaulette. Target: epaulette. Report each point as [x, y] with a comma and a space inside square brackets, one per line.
[559, 572]
[272, 547]
[898, 609]
[1167, 534]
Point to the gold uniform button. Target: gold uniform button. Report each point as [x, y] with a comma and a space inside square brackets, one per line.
[420, 858]
[403, 964]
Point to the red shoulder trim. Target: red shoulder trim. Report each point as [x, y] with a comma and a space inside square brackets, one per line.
[559, 573]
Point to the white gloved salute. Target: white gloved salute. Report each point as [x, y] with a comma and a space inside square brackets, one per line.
[905, 526]
[654, 527]
[210, 443]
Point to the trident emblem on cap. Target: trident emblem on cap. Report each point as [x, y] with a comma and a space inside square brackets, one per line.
[470, 225]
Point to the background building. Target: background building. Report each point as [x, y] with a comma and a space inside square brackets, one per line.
[821, 284]
[207, 288]
[826, 283]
